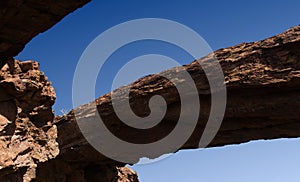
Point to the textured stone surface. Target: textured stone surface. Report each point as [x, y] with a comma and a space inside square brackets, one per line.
[263, 82]
[28, 138]
[21, 20]
[262, 79]
[27, 134]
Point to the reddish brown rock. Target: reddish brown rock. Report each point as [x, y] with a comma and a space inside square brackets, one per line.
[28, 137]
[262, 80]
[22, 20]
[27, 134]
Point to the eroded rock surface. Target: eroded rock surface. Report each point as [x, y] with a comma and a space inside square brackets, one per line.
[262, 80]
[27, 134]
[28, 137]
[263, 101]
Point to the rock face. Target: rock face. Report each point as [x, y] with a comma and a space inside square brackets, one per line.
[27, 134]
[22, 20]
[262, 80]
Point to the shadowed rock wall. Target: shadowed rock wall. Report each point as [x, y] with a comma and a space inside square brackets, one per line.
[21, 20]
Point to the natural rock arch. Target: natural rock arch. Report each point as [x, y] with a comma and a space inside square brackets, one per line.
[262, 79]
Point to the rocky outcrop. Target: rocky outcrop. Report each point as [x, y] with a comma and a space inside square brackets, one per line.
[22, 20]
[27, 134]
[262, 80]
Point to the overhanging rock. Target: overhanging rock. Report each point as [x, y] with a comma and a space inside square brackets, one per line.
[263, 83]
[262, 80]
[22, 20]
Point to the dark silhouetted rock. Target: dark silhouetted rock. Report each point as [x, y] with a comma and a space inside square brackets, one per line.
[22, 20]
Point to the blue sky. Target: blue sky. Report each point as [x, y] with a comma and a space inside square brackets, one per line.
[221, 24]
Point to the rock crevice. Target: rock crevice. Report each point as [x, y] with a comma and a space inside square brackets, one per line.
[28, 136]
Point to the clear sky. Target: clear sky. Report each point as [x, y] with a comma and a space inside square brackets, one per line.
[221, 24]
